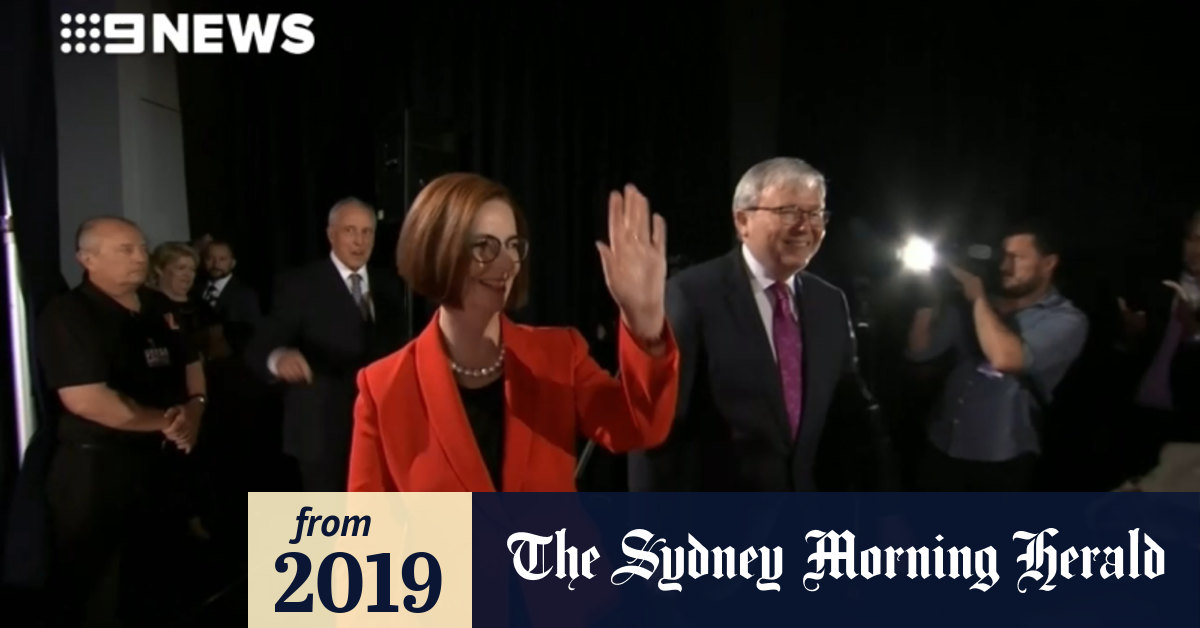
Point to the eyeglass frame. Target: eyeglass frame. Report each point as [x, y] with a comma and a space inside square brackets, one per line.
[796, 211]
[475, 241]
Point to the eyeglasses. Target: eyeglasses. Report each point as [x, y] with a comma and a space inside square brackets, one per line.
[487, 248]
[791, 214]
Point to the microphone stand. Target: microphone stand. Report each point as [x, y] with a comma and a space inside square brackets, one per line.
[17, 327]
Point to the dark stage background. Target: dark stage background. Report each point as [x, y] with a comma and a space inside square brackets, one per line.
[940, 121]
[923, 118]
[560, 101]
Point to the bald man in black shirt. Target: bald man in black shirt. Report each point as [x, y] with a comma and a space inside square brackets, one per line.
[131, 390]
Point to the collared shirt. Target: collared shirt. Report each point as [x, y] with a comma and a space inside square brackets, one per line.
[761, 285]
[216, 287]
[345, 272]
[986, 415]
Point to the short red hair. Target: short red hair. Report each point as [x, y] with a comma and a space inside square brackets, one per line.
[432, 254]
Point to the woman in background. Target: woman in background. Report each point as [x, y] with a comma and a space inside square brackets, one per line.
[172, 273]
[479, 403]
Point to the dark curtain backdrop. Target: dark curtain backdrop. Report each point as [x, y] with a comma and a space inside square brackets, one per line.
[559, 101]
[953, 119]
[947, 121]
[271, 141]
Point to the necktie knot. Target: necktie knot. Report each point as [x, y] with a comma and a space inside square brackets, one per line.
[783, 296]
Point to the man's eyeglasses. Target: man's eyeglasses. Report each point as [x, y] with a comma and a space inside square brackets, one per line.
[486, 249]
[791, 214]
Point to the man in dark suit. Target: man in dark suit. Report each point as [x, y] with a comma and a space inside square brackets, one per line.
[770, 396]
[237, 437]
[329, 319]
[234, 301]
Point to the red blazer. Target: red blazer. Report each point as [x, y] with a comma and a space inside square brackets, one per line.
[412, 434]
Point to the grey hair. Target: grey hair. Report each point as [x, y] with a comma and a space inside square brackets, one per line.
[345, 202]
[83, 235]
[775, 172]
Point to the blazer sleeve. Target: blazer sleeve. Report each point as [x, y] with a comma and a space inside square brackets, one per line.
[874, 467]
[280, 329]
[672, 466]
[635, 409]
[368, 465]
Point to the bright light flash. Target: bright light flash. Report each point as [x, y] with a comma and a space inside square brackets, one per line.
[918, 254]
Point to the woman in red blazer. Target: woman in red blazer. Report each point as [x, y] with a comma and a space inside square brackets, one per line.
[479, 403]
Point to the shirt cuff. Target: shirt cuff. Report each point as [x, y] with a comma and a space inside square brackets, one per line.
[273, 361]
[666, 340]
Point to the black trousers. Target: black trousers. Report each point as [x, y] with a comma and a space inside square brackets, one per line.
[110, 529]
[939, 472]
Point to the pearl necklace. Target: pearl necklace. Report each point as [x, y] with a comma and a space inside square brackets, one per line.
[486, 371]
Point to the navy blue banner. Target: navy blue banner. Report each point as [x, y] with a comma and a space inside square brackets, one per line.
[1108, 559]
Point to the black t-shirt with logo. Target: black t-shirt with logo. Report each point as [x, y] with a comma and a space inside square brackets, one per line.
[87, 337]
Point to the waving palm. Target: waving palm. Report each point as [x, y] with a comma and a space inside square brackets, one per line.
[635, 262]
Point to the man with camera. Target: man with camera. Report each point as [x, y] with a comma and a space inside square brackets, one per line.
[1010, 352]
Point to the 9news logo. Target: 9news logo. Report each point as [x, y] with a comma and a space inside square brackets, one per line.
[200, 33]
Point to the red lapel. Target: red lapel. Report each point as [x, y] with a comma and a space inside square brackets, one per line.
[520, 402]
[444, 408]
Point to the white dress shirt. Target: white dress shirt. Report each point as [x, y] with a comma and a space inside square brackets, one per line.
[764, 298]
[217, 287]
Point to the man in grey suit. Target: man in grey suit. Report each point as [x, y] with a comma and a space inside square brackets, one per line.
[770, 395]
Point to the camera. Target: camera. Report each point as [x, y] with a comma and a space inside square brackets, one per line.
[929, 262]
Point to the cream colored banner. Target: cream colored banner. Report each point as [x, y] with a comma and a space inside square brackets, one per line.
[420, 543]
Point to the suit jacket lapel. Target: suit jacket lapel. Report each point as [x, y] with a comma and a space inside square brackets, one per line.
[521, 403]
[380, 297]
[739, 297]
[340, 291]
[445, 412]
[226, 298]
[817, 334]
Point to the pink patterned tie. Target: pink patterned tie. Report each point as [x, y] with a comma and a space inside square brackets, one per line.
[789, 351]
